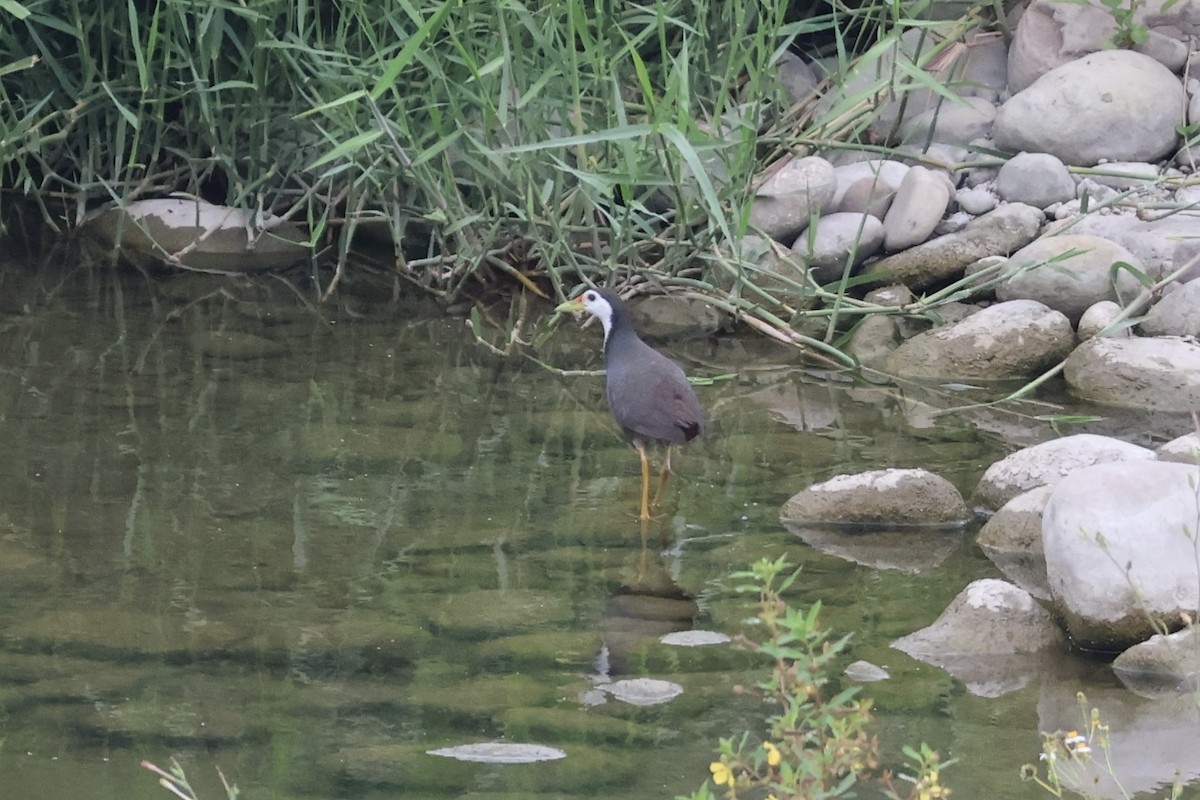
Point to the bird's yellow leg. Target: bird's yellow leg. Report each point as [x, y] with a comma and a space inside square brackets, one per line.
[641, 448]
[663, 477]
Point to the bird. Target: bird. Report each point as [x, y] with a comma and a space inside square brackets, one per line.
[648, 393]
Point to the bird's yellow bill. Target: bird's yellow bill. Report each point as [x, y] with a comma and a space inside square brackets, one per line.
[571, 306]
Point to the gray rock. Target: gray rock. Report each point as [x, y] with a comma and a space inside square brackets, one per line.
[886, 497]
[1068, 272]
[1037, 179]
[1176, 314]
[1182, 449]
[1012, 540]
[999, 232]
[884, 175]
[1115, 104]
[1162, 665]
[993, 637]
[1048, 463]
[797, 76]
[785, 202]
[1120, 542]
[868, 196]
[951, 122]
[1051, 33]
[665, 316]
[1163, 245]
[873, 340]
[1016, 339]
[891, 296]
[837, 238]
[976, 200]
[1160, 373]
[1097, 318]
[764, 263]
[988, 617]
[919, 204]
[1122, 175]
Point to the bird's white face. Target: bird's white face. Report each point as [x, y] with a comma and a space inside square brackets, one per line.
[593, 303]
[598, 307]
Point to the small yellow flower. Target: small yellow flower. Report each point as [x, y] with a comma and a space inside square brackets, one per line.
[721, 774]
[773, 756]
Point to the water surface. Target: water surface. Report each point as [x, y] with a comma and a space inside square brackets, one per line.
[310, 556]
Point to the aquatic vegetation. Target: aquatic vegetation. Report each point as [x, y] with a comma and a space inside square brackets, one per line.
[815, 746]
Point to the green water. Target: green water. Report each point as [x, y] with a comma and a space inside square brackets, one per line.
[310, 566]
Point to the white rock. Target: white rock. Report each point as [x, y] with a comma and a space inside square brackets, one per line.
[1048, 463]
[916, 210]
[1120, 543]
[977, 200]
[193, 234]
[1182, 449]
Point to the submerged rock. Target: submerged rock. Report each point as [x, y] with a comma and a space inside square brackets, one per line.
[500, 753]
[1120, 542]
[193, 234]
[1012, 540]
[986, 638]
[886, 497]
[1164, 664]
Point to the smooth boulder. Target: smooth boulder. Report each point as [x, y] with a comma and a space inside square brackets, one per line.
[1016, 339]
[884, 497]
[1160, 373]
[1120, 544]
[1115, 104]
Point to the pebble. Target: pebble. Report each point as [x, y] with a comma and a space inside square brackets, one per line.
[976, 200]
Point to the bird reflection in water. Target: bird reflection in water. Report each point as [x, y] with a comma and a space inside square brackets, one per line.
[641, 610]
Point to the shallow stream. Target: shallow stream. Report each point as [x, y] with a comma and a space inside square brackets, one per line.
[307, 548]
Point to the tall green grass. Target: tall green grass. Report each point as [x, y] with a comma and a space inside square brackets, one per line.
[538, 141]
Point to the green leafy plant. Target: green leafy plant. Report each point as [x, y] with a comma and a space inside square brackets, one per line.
[815, 746]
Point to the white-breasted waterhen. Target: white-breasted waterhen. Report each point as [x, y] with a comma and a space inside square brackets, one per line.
[648, 393]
